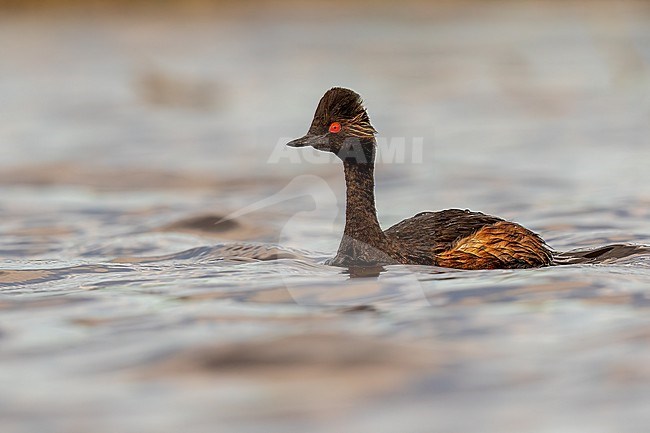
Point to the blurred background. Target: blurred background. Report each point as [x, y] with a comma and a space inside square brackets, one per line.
[128, 129]
[199, 90]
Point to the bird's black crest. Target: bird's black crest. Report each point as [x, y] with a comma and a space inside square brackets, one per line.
[339, 104]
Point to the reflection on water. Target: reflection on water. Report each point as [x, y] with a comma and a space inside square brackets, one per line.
[161, 259]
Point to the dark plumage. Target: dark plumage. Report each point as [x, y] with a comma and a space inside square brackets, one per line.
[451, 238]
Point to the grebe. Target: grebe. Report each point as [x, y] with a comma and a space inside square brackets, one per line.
[452, 238]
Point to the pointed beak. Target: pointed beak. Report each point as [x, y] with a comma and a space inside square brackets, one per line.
[310, 140]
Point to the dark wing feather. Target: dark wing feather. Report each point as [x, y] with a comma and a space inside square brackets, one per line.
[468, 240]
[439, 231]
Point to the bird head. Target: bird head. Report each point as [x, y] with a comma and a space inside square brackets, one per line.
[341, 125]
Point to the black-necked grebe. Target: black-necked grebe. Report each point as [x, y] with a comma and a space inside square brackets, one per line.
[451, 238]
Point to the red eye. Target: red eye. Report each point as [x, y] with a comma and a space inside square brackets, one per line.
[335, 127]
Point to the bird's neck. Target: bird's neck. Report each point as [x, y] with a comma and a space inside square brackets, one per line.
[361, 223]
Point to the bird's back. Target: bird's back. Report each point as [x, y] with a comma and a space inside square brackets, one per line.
[462, 239]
